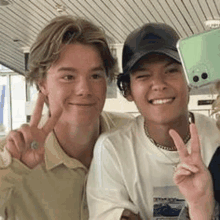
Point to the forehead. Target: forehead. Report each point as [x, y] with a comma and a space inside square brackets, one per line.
[78, 54]
[152, 59]
[77, 58]
[79, 49]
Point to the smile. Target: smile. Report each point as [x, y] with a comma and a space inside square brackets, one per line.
[83, 105]
[161, 101]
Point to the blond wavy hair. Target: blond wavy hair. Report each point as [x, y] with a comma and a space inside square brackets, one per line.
[64, 30]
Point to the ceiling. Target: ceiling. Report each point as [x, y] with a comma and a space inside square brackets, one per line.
[21, 20]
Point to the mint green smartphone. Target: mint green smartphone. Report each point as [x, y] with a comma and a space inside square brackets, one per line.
[200, 56]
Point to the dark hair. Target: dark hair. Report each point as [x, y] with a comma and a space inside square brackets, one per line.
[64, 30]
[123, 83]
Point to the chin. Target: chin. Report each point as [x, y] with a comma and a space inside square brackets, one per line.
[162, 118]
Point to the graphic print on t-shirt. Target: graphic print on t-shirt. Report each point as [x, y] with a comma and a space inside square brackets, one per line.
[168, 203]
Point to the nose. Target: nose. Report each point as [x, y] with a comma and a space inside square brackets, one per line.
[83, 87]
[159, 83]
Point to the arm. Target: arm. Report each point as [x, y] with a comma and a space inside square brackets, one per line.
[193, 178]
[107, 195]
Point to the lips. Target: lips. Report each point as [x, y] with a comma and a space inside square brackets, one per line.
[161, 101]
[82, 104]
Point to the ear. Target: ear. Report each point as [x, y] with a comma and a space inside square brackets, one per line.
[43, 87]
[129, 97]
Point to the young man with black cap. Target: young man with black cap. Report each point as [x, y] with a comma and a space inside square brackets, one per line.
[133, 167]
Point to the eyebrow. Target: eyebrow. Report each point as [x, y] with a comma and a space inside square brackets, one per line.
[171, 62]
[142, 68]
[71, 69]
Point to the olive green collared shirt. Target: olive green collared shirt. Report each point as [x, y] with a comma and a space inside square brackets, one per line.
[53, 190]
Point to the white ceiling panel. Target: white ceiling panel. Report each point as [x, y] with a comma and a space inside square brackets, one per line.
[21, 21]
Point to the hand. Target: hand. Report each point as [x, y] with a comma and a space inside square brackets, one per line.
[18, 142]
[192, 176]
[128, 215]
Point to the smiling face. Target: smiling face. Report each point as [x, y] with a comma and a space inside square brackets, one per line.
[77, 82]
[159, 89]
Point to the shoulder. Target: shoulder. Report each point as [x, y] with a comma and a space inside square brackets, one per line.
[209, 136]
[200, 117]
[206, 125]
[110, 120]
[121, 136]
[118, 146]
[2, 143]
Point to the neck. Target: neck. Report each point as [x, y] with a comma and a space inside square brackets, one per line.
[160, 132]
[78, 142]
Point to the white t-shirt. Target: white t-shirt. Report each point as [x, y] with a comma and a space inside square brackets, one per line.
[129, 172]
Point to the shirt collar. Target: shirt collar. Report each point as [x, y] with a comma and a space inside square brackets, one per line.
[55, 156]
[104, 125]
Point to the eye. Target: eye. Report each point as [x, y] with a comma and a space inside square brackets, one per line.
[142, 76]
[98, 75]
[68, 77]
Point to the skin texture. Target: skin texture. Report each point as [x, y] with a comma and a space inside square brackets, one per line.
[158, 78]
[78, 80]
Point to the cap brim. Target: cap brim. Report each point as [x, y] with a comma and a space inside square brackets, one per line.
[167, 51]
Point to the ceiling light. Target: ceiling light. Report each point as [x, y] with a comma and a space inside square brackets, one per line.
[60, 8]
[212, 23]
[4, 2]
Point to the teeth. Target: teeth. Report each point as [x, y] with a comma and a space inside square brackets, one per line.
[161, 101]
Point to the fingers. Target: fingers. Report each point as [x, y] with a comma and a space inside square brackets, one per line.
[51, 122]
[195, 143]
[19, 140]
[25, 130]
[128, 215]
[11, 147]
[190, 167]
[183, 170]
[182, 150]
[35, 118]
[15, 144]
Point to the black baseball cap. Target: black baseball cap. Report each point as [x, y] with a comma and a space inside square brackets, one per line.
[150, 38]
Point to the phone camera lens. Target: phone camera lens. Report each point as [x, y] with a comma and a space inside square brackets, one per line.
[204, 75]
[195, 78]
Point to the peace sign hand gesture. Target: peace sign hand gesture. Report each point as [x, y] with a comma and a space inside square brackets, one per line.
[19, 142]
[192, 177]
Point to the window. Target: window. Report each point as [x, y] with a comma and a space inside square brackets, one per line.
[12, 100]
